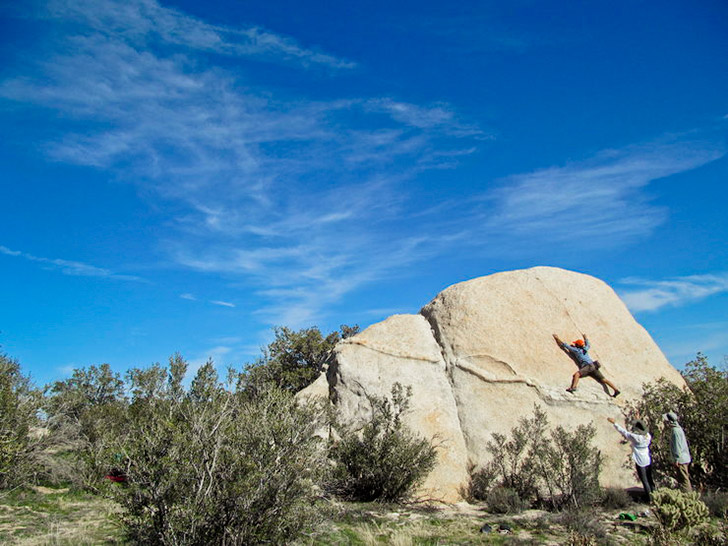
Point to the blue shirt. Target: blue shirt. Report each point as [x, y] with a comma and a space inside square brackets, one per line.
[580, 354]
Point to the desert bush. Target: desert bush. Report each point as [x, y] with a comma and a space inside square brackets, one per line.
[384, 460]
[482, 480]
[717, 503]
[569, 467]
[615, 498]
[555, 467]
[501, 500]
[583, 525]
[677, 511]
[703, 411]
[82, 411]
[513, 460]
[577, 539]
[20, 441]
[211, 465]
[708, 535]
[294, 359]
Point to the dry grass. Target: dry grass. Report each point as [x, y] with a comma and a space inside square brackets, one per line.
[57, 517]
[62, 517]
[372, 524]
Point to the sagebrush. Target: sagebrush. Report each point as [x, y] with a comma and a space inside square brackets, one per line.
[383, 460]
[211, 464]
[20, 440]
[553, 467]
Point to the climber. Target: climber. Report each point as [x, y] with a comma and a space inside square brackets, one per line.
[640, 440]
[579, 352]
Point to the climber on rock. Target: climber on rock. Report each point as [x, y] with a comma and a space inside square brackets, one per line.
[579, 352]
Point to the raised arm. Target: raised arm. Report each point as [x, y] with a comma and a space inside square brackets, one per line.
[624, 432]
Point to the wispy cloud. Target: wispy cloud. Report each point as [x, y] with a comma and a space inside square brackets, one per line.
[656, 294]
[268, 189]
[424, 117]
[222, 303]
[600, 200]
[142, 22]
[298, 199]
[69, 267]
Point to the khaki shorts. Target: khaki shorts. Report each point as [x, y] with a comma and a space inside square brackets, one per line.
[592, 370]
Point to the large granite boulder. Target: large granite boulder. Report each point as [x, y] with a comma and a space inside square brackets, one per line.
[480, 355]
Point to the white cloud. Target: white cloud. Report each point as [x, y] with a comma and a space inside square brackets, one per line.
[425, 117]
[69, 267]
[222, 303]
[303, 198]
[141, 22]
[271, 189]
[189, 297]
[654, 295]
[599, 201]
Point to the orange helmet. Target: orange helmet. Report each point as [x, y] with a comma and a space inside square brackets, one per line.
[579, 343]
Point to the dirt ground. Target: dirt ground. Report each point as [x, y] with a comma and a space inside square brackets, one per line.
[61, 517]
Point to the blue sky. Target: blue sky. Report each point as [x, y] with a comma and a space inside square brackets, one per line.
[182, 176]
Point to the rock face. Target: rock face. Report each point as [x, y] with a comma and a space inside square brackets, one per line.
[481, 354]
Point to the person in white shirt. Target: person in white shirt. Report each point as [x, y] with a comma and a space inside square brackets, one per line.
[640, 441]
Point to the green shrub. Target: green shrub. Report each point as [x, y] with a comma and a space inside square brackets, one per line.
[583, 525]
[615, 498]
[677, 511]
[577, 539]
[513, 460]
[501, 500]
[20, 439]
[294, 359]
[384, 460]
[82, 412]
[211, 465]
[708, 535]
[556, 467]
[717, 503]
[482, 481]
[569, 467]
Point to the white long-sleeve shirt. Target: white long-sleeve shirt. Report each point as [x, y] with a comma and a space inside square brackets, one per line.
[640, 446]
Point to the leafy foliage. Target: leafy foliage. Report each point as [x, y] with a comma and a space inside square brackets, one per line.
[502, 500]
[19, 406]
[210, 465]
[615, 498]
[384, 460]
[82, 411]
[702, 408]
[717, 503]
[558, 467]
[294, 359]
[584, 527]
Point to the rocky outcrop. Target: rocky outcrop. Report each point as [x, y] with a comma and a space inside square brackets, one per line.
[481, 354]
